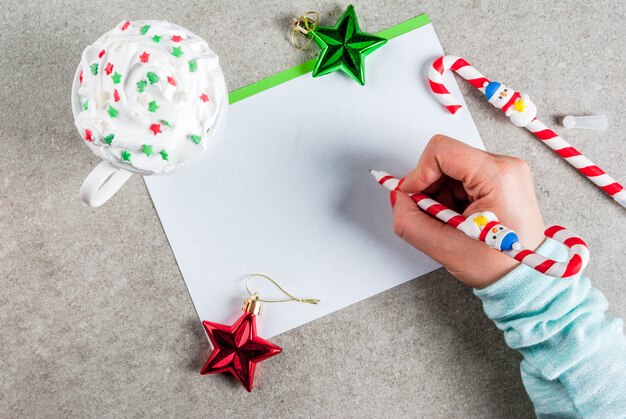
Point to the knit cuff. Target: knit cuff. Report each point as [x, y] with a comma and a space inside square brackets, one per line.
[519, 287]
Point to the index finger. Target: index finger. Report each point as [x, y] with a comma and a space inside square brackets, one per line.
[447, 156]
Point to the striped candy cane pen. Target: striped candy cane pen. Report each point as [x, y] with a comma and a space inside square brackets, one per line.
[522, 111]
[485, 227]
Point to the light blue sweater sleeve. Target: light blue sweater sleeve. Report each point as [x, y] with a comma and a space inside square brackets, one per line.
[574, 354]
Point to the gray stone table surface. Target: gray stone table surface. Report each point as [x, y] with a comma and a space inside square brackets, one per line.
[96, 320]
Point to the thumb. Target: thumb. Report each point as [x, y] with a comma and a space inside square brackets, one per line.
[438, 240]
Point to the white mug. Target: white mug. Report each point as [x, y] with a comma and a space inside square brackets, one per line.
[105, 55]
[108, 176]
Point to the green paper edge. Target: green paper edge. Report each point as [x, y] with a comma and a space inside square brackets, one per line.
[306, 67]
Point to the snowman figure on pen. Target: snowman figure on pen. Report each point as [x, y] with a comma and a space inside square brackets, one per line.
[484, 226]
[518, 107]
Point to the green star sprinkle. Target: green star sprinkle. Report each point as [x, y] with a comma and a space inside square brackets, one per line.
[177, 52]
[193, 66]
[166, 123]
[86, 105]
[116, 77]
[125, 155]
[195, 138]
[94, 69]
[141, 86]
[164, 155]
[109, 138]
[157, 38]
[153, 77]
[152, 106]
[112, 112]
[147, 149]
[144, 29]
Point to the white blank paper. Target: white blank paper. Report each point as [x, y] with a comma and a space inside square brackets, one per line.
[286, 190]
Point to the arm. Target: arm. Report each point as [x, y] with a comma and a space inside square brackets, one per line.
[574, 354]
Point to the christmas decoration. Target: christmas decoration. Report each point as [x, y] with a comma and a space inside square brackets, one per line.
[343, 47]
[486, 228]
[522, 112]
[236, 348]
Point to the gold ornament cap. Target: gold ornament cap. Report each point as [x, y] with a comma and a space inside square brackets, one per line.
[252, 305]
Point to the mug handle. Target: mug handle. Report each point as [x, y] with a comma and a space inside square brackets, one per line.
[102, 183]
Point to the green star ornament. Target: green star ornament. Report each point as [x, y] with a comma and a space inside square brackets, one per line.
[344, 47]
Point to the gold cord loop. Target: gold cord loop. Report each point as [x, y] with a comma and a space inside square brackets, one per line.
[302, 26]
[291, 297]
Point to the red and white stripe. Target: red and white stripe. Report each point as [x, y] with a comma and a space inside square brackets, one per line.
[570, 154]
[463, 69]
[578, 256]
[577, 259]
[574, 157]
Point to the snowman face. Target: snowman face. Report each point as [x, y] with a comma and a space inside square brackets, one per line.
[495, 235]
[501, 96]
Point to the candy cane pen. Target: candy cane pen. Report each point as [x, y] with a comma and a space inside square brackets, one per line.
[485, 227]
[522, 112]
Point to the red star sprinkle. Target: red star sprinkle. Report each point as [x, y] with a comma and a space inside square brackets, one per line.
[155, 128]
[177, 38]
[88, 135]
[108, 69]
[171, 80]
[204, 97]
[116, 95]
[144, 57]
[125, 25]
[80, 77]
[101, 54]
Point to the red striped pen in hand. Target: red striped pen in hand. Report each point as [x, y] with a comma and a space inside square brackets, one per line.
[484, 226]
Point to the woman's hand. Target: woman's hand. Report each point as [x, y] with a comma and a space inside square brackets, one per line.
[467, 180]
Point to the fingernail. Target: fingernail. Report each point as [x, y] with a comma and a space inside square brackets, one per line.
[392, 198]
[401, 182]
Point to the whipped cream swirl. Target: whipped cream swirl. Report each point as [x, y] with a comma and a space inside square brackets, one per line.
[148, 95]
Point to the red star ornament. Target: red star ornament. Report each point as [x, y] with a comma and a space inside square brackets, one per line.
[237, 348]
